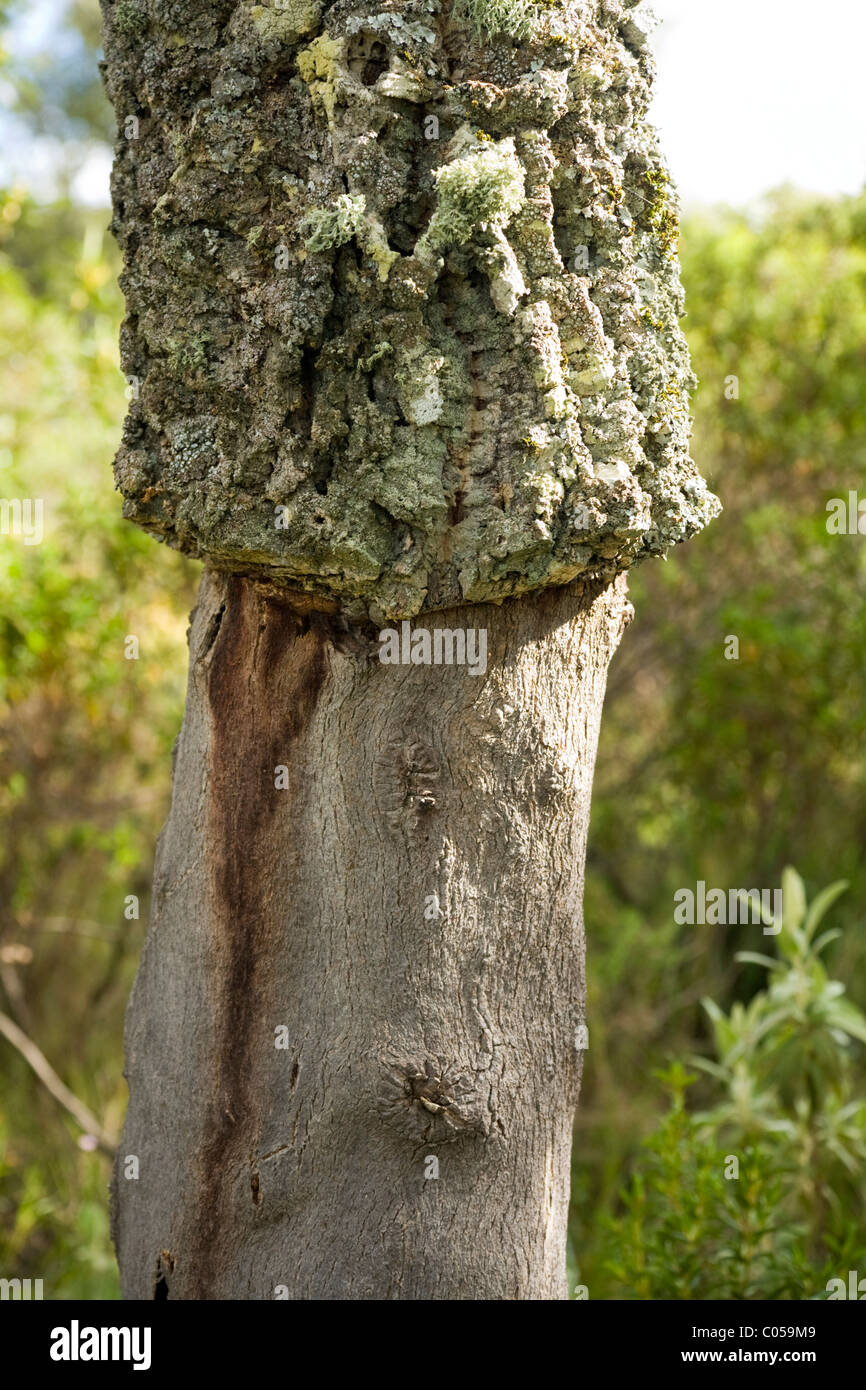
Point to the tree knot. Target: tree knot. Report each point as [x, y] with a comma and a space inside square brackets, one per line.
[431, 1100]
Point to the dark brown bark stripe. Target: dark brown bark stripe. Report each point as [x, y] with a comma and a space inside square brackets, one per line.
[267, 671]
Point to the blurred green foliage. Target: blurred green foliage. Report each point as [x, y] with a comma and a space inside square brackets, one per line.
[85, 733]
[761, 1195]
[725, 770]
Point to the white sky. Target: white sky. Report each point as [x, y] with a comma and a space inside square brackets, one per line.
[751, 94]
[755, 93]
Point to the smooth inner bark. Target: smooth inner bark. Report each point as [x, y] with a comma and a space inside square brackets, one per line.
[366, 952]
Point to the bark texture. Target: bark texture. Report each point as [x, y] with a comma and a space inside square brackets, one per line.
[403, 294]
[369, 960]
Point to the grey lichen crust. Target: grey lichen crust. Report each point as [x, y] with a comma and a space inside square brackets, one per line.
[403, 294]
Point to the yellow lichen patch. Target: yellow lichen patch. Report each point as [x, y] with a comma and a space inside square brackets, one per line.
[372, 237]
[320, 67]
[289, 22]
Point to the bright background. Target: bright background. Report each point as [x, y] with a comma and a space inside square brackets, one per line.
[752, 94]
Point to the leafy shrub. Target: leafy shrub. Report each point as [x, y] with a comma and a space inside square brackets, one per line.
[760, 1195]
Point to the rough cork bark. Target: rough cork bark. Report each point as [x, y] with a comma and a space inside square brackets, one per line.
[402, 339]
[400, 371]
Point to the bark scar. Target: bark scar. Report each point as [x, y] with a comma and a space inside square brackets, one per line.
[408, 783]
[431, 1101]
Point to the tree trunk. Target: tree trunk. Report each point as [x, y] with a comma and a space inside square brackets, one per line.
[402, 345]
[355, 1042]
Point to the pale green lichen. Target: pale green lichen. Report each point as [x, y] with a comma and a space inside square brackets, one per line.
[484, 188]
[131, 16]
[286, 20]
[366, 364]
[491, 17]
[374, 239]
[392, 24]
[326, 228]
